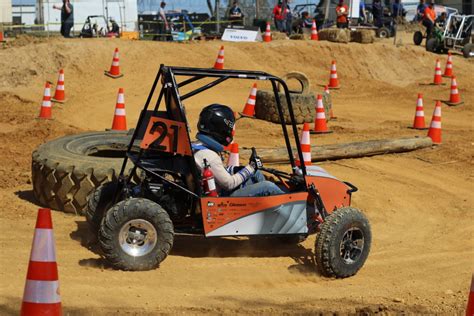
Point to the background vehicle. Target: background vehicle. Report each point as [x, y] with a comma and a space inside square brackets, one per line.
[418, 36]
[138, 216]
[97, 26]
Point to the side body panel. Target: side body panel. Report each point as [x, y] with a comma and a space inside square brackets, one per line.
[267, 215]
[334, 192]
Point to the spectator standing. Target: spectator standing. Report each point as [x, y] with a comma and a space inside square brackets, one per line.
[420, 10]
[362, 12]
[398, 9]
[67, 17]
[235, 14]
[377, 12]
[288, 20]
[342, 11]
[279, 17]
[429, 17]
[164, 26]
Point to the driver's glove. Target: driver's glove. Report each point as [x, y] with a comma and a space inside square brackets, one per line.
[255, 162]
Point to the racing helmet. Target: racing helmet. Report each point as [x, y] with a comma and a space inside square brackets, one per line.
[217, 121]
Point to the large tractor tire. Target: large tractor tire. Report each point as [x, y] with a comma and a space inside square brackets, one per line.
[303, 103]
[67, 169]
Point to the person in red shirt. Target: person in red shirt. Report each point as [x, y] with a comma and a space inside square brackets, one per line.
[279, 16]
[342, 11]
[429, 17]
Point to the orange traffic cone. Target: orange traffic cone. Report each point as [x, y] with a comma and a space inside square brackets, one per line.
[120, 119]
[249, 109]
[470, 300]
[314, 32]
[59, 95]
[435, 127]
[454, 97]
[219, 64]
[448, 70]
[437, 77]
[305, 142]
[1, 37]
[45, 112]
[114, 71]
[41, 294]
[419, 121]
[320, 126]
[267, 37]
[233, 160]
[333, 80]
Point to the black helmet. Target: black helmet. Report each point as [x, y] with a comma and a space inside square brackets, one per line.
[217, 121]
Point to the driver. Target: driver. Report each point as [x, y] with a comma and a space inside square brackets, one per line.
[215, 126]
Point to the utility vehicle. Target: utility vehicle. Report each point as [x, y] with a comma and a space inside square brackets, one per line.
[137, 217]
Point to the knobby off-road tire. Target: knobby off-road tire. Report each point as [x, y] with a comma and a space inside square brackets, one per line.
[67, 169]
[467, 49]
[136, 234]
[417, 38]
[98, 202]
[343, 228]
[383, 32]
[432, 45]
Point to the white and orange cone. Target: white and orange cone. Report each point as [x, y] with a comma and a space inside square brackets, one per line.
[314, 32]
[59, 94]
[41, 295]
[454, 96]
[2, 39]
[120, 120]
[219, 64]
[435, 127]
[305, 142]
[114, 71]
[470, 300]
[45, 112]
[320, 126]
[267, 37]
[333, 79]
[437, 77]
[249, 108]
[448, 70]
[419, 121]
[233, 160]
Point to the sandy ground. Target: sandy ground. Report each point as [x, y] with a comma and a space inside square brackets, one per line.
[420, 204]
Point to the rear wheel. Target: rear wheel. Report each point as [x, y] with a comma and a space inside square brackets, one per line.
[432, 44]
[343, 243]
[99, 201]
[468, 50]
[417, 38]
[136, 234]
[383, 32]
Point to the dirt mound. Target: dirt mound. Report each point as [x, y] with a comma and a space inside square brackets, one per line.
[419, 204]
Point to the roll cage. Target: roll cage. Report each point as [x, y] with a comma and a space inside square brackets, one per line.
[179, 158]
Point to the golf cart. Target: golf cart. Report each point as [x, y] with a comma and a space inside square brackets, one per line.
[137, 217]
[97, 26]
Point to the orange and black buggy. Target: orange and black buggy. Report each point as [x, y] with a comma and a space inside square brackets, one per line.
[161, 194]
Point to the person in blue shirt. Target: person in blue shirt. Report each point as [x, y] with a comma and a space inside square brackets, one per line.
[235, 14]
[420, 10]
[362, 12]
[398, 9]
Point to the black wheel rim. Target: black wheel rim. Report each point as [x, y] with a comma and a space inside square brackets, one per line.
[352, 245]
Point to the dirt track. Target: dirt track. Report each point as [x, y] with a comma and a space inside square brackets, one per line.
[420, 204]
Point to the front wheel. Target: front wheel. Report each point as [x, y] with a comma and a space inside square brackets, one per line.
[383, 32]
[343, 243]
[136, 234]
[417, 38]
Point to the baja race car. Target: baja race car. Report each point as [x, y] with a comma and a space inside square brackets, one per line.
[137, 217]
